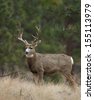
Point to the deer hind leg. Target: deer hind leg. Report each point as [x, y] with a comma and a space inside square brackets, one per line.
[70, 80]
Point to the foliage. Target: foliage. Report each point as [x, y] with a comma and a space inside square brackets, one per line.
[59, 21]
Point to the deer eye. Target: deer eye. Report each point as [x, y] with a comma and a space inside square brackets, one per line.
[31, 48]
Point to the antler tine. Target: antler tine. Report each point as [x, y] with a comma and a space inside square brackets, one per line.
[20, 37]
[38, 29]
[35, 42]
[35, 38]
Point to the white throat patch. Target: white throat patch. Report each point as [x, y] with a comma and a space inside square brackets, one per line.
[30, 56]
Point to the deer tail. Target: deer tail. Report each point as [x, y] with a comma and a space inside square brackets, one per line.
[73, 65]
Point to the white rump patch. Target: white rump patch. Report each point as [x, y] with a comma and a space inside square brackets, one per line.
[72, 60]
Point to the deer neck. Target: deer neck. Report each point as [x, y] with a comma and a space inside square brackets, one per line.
[31, 60]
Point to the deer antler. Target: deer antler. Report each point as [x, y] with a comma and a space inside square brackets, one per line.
[35, 42]
[21, 39]
[38, 29]
[20, 36]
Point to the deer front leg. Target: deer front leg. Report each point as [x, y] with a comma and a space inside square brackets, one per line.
[40, 74]
[40, 77]
[35, 78]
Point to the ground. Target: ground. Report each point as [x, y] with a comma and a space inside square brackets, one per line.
[19, 89]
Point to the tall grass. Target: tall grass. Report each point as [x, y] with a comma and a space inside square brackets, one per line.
[17, 89]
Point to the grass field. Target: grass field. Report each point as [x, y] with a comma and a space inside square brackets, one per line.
[17, 89]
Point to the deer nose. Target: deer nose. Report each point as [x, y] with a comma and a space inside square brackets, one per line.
[26, 52]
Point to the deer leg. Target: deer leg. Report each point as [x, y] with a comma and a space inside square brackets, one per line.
[70, 80]
[35, 78]
[40, 77]
[64, 79]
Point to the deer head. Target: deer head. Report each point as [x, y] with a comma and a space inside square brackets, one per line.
[30, 47]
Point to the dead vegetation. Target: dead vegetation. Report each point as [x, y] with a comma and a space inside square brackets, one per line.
[17, 89]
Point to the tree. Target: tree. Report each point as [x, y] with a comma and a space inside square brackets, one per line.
[59, 21]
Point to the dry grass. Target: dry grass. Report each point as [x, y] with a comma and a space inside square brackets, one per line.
[16, 89]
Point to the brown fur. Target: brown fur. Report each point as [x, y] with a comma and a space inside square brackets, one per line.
[50, 63]
[47, 63]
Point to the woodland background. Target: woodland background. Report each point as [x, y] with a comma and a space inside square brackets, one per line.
[60, 29]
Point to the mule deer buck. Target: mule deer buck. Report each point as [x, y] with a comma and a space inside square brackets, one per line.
[41, 64]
